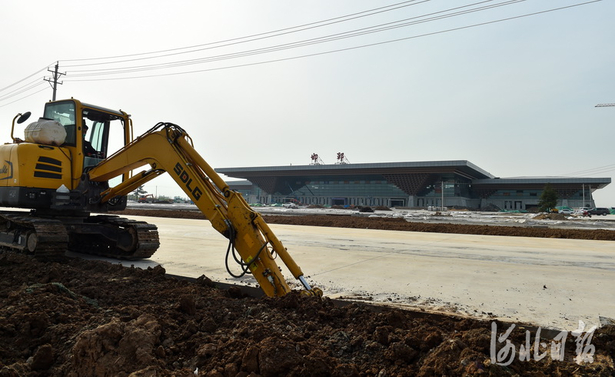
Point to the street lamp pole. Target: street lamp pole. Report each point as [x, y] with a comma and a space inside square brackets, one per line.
[442, 196]
[598, 105]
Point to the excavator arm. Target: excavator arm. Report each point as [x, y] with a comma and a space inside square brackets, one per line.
[168, 148]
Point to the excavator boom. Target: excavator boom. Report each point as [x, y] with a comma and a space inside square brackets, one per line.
[168, 148]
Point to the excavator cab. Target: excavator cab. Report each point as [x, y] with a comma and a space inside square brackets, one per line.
[95, 132]
[81, 136]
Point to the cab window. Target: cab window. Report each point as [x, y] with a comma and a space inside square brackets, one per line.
[64, 113]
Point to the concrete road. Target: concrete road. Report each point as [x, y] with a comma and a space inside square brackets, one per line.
[548, 282]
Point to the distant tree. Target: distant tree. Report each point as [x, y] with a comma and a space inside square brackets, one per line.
[140, 191]
[548, 199]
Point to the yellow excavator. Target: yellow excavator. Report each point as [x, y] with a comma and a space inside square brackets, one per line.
[79, 158]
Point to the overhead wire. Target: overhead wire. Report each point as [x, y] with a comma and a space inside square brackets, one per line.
[355, 15]
[430, 17]
[341, 49]
[23, 88]
[254, 37]
[24, 79]
[297, 44]
[24, 97]
[593, 171]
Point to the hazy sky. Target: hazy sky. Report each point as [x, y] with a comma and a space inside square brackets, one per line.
[266, 83]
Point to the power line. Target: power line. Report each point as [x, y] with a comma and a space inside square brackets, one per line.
[297, 44]
[24, 79]
[430, 17]
[24, 97]
[338, 50]
[21, 89]
[259, 36]
[305, 27]
[593, 171]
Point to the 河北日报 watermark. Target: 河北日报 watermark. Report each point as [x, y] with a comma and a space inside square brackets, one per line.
[503, 351]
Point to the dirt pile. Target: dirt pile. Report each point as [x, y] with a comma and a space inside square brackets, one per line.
[346, 221]
[550, 216]
[91, 318]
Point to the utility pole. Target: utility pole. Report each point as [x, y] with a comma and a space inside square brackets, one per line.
[56, 76]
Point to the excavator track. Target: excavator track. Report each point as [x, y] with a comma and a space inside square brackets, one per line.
[113, 236]
[103, 235]
[44, 238]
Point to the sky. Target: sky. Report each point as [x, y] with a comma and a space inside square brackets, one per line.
[510, 86]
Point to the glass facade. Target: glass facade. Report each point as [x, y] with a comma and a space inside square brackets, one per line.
[528, 199]
[375, 192]
[369, 191]
[423, 184]
[346, 193]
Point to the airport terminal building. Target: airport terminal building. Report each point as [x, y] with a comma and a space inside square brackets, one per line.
[422, 184]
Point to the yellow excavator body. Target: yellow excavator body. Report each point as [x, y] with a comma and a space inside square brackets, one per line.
[85, 163]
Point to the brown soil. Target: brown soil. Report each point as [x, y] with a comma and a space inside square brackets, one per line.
[346, 221]
[92, 318]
